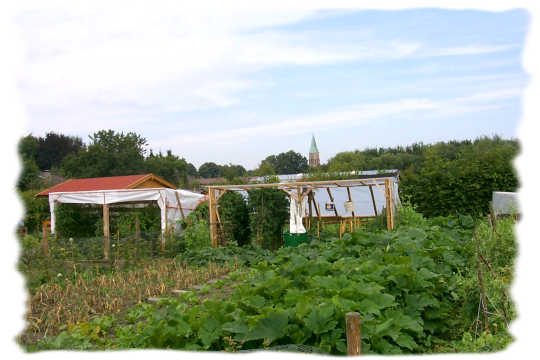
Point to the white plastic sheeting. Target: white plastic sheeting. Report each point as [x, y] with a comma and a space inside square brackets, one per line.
[297, 209]
[505, 202]
[166, 200]
[361, 198]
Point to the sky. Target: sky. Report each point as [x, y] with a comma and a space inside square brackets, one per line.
[234, 85]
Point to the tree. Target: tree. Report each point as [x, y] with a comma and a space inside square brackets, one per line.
[209, 170]
[265, 169]
[233, 171]
[108, 154]
[29, 177]
[53, 148]
[287, 163]
[192, 170]
[29, 147]
[170, 167]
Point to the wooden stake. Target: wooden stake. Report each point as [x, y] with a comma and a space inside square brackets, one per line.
[45, 239]
[106, 233]
[354, 334]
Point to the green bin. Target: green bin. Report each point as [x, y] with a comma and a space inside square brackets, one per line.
[294, 239]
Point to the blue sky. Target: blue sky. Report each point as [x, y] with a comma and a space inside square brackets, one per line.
[238, 85]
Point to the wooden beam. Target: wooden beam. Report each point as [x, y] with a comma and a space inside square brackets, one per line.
[310, 195]
[289, 193]
[315, 184]
[219, 221]
[392, 207]
[106, 232]
[332, 199]
[373, 199]
[221, 194]
[388, 205]
[179, 205]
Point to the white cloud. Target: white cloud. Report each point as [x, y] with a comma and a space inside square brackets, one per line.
[174, 57]
[471, 50]
[354, 115]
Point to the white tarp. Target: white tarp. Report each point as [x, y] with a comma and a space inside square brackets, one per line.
[296, 210]
[166, 200]
[361, 198]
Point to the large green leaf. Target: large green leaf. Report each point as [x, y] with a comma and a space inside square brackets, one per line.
[321, 319]
[269, 327]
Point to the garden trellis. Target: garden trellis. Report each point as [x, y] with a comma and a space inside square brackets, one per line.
[348, 197]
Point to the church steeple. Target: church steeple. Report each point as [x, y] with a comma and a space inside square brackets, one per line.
[313, 153]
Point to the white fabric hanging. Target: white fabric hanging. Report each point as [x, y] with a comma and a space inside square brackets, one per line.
[165, 198]
[296, 213]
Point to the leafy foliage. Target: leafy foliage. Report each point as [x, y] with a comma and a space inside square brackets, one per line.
[36, 210]
[234, 215]
[108, 154]
[463, 180]
[289, 162]
[411, 286]
[269, 209]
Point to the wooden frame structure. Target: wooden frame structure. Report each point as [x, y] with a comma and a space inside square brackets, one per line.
[299, 190]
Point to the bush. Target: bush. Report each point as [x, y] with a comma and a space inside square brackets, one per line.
[234, 215]
[36, 210]
[269, 210]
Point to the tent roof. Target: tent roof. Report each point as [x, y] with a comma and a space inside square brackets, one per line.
[105, 183]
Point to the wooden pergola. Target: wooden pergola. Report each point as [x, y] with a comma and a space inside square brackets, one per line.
[299, 190]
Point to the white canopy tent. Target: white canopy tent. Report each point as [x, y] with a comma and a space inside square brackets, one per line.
[174, 204]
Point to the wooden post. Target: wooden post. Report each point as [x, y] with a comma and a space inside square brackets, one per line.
[354, 334]
[106, 233]
[388, 204]
[299, 202]
[213, 220]
[392, 210]
[310, 207]
[45, 239]
[373, 199]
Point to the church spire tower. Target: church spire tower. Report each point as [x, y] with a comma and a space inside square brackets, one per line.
[313, 153]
